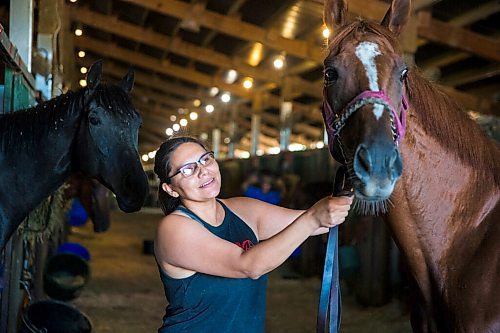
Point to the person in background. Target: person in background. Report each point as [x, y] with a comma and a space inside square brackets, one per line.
[213, 255]
[263, 186]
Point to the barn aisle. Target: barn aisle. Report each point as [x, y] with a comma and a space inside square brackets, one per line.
[125, 294]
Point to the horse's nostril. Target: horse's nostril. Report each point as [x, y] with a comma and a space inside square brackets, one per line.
[363, 157]
[362, 163]
[396, 165]
[391, 158]
[126, 183]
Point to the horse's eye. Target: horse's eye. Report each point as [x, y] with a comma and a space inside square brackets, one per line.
[331, 75]
[94, 120]
[404, 73]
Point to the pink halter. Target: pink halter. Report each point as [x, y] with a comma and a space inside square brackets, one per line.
[335, 122]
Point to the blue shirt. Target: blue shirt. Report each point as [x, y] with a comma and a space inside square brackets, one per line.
[207, 303]
[272, 197]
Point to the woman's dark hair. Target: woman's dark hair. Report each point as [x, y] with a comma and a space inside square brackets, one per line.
[162, 169]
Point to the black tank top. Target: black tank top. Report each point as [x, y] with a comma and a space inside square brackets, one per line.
[206, 303]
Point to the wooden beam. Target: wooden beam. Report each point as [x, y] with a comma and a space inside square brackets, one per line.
[471, 75]
[444, 59]
[232, 27]
[476, 14]
[457, 37]
[176, 45]
[125, 55]
[469, 101]
[462, 20]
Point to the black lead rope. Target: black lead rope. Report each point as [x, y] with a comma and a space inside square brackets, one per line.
[330, 306]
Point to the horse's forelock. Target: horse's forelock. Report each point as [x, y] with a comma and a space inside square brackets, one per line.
[115, 99]
[358, 29]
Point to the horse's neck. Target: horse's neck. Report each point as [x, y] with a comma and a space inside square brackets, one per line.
[438, 201]
[37, 156]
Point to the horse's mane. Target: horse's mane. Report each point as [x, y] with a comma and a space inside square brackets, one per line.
[23, 128]
[440, 115]
[448, 123]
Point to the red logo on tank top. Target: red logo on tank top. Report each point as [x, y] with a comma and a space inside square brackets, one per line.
[245, 245]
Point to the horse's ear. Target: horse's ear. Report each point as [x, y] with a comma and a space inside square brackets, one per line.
[397, 15]
[335, 13]
[127, 83]
[94, 75]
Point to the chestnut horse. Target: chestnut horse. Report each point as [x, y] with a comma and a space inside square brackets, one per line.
[442, 176]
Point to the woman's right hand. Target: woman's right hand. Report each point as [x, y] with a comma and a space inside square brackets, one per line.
[330, 211]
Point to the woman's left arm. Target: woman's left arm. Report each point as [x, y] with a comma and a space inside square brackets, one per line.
[266, 219]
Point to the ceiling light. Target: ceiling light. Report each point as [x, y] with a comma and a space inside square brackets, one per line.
[231, 76]
[279, 62]
[152, 154]
[326, 32]
[83, 70]
[273, 150]
[296, 147]
[183, 122]
[209, 108]
[225, 97]
[248, 83]
[213, 91]
[78, 32]
[173, 117]
[83, 83]
[196, 103]
[169, 131]
[81, 54]
[145, 157]
[256, 53]
[176, 127]
[193, 116]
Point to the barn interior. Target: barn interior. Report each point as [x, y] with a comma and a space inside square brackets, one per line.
[246, 77]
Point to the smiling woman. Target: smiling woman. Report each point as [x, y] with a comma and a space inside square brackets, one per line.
[212, 262]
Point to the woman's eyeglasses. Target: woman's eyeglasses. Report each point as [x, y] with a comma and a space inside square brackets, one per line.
[190, 169]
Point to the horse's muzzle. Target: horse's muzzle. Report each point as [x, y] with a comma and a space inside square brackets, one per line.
[133, 193]
[377, 166]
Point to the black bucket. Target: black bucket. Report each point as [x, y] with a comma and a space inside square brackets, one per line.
[54, 317]
[65, 275]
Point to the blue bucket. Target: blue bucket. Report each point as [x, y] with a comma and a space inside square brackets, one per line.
[74, 248]
[77, 215]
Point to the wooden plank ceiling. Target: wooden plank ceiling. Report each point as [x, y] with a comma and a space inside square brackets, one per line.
[181, 50]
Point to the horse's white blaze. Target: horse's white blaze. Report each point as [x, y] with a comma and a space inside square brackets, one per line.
[366, 53]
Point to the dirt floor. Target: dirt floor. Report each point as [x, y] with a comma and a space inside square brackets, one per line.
[125, 293]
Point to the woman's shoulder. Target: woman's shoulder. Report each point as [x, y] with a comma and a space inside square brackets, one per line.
[174, 221]
[249, 208]
[240, 203]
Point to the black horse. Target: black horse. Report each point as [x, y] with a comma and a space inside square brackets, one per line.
[93, 131]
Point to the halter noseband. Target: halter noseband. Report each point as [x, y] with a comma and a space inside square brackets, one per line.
[334, 122]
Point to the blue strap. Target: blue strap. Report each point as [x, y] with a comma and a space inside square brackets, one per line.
[330, 288]
[190, 214]
[330, 306]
